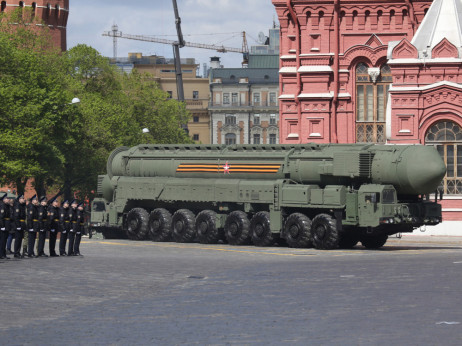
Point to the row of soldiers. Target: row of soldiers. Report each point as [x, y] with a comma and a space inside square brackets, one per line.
[39, 217]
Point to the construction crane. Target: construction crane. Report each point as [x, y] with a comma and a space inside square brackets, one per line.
[221, 49]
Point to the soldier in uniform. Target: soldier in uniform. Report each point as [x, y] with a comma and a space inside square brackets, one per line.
[5, 217]
[43, 220]
[20, 224]
[74, 226]
[11, 231]
[80, 229]
[53, 225]
[65, 226]
[32, 225]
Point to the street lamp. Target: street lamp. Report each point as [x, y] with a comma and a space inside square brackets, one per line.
[74, 101]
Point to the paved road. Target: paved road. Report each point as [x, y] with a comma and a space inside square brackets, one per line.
[127, 293]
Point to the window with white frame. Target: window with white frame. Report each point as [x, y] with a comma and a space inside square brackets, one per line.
[230, 119]
[226, 98]
[256, 99]
[272, 119]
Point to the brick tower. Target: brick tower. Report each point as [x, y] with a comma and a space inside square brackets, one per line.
[53, 13]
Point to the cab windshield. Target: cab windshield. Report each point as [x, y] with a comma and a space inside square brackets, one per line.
[388, 196]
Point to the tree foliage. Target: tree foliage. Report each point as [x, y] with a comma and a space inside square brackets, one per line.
[63, 146]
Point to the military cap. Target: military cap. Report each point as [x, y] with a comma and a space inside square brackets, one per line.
[66, 201]
[74, 201]
[80, 204]
[52, 200]
[19, 197]
[33, 197]
[4, 196]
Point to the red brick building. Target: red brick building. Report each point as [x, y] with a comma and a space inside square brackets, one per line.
[53, 13]
[375, 72]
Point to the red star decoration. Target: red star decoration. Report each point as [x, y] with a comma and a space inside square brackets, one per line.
[226, 168]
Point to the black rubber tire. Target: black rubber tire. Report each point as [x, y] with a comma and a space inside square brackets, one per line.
[108, 234]
[206, 227]
[297, 231]
[374, 242]
[183, 226]
[348, 240]
[137, 224]
[160, 225]
[324, 233]
[260, 230]
[237, 228]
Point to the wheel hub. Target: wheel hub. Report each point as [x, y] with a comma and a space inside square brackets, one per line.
[179, 225]
[259, 230]
[233, 229]
[293, 231]
[203, 227]
[320, 232]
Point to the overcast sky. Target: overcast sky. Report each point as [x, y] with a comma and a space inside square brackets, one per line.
[203, 21]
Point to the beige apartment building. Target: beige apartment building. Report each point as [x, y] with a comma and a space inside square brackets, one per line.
[196, 89]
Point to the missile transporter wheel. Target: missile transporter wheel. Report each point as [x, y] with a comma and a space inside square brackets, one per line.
[206, 227]
[237, 228]
[297, 231]
[183, 226]
[137, 224]
[260, 229]
[324, 232]
[160, 225]
[374, 242]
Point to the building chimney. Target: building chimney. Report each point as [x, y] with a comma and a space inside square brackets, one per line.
[215, 62]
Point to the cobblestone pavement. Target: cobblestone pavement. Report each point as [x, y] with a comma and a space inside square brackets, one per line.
[143, 293]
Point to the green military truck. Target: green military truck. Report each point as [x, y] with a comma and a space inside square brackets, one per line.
[326, 196]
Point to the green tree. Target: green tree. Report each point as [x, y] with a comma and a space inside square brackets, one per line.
[62, 146]
[30, 88]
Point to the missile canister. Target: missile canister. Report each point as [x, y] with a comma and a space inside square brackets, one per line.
[411, 169]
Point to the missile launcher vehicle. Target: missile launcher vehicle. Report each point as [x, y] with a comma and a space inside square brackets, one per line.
[326, 196]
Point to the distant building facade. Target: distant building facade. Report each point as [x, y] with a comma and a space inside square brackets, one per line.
[244, 103]
[244, 106]
[196, 89]
[53, 13]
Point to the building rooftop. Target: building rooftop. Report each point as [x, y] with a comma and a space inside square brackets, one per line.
[254, 75]
[263, 61]
[443, 20]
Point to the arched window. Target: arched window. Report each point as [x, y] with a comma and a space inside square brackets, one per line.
[3, 6]
[34, 8]
[21, 4]
[230, 138]
[446, 136]
[371, 102]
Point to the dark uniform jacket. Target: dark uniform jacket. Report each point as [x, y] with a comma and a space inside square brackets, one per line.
[74, 219]
[5, 217]
[81, 220]
[64, 220]
[43, 217]
[33, 217]
[53, 218]
[20, 215]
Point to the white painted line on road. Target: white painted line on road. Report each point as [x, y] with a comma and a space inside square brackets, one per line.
[450, 323]
[457, 262]
[347, 276]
